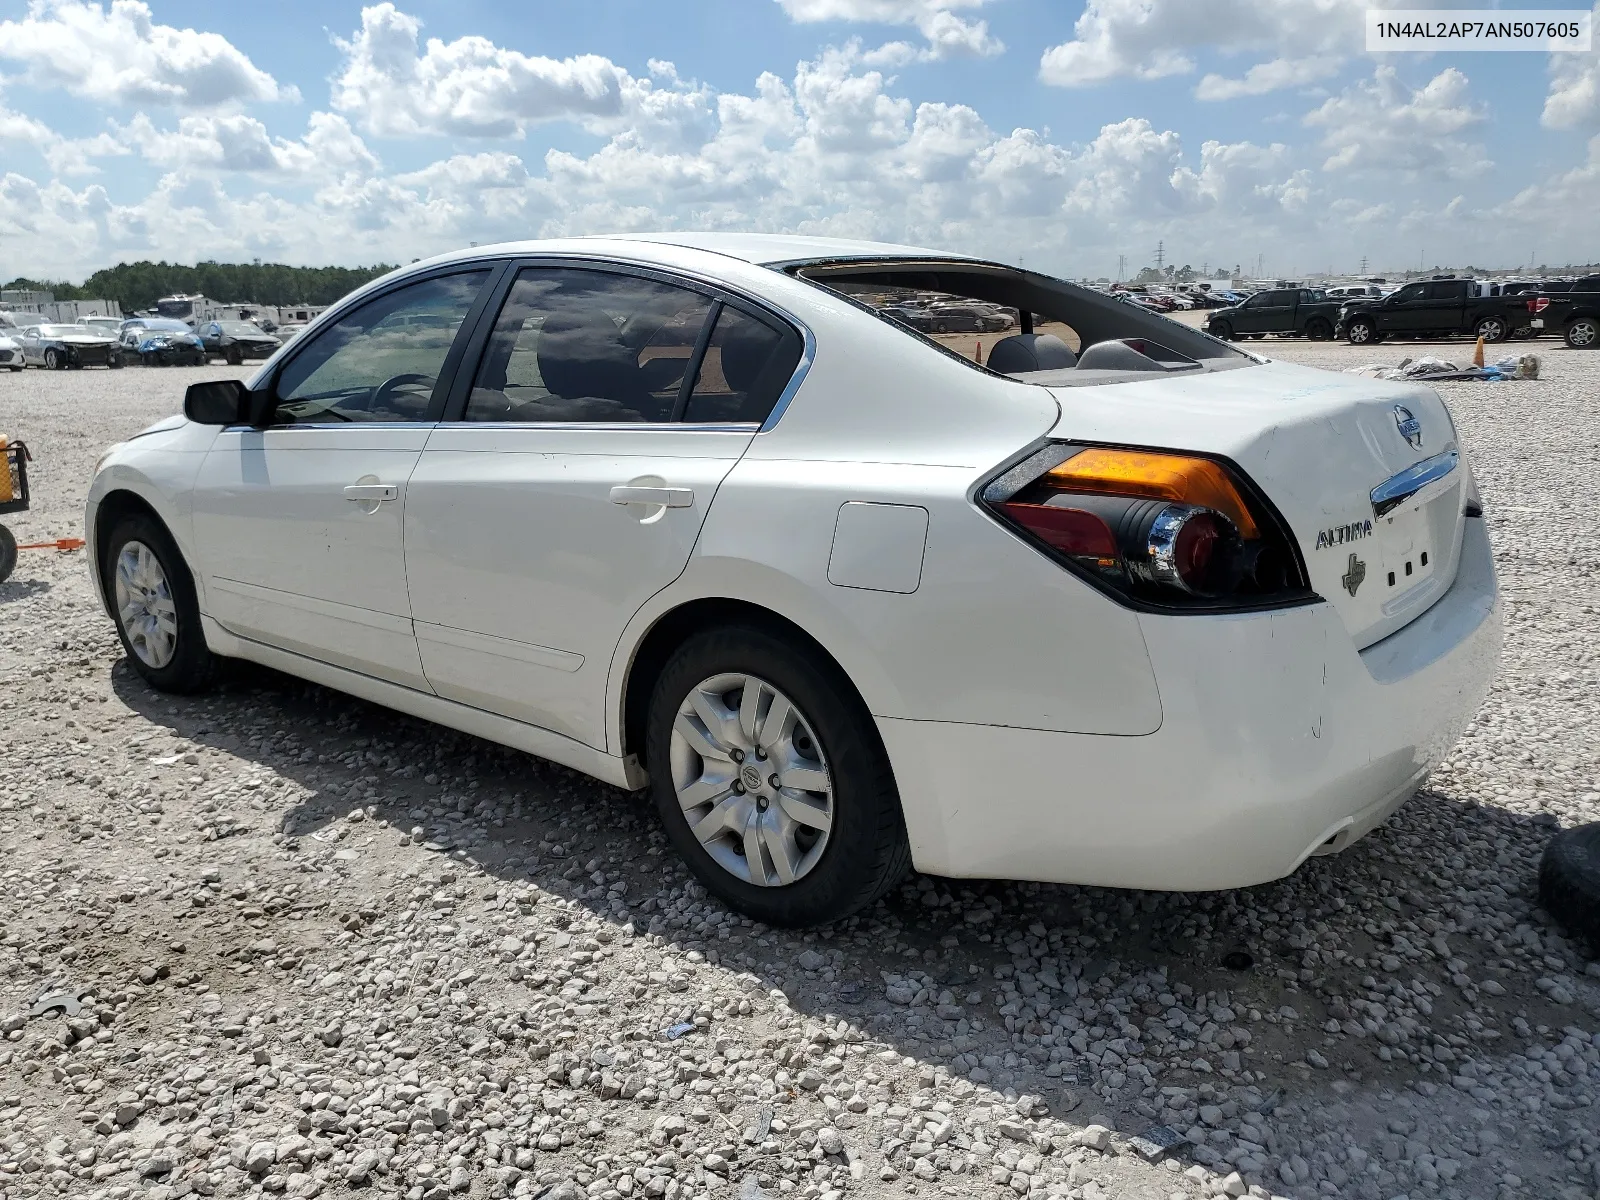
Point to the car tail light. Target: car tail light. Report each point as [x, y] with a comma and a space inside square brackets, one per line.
[1538, 304]
[1156, 528]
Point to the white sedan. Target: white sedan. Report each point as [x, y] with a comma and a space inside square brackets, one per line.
[1122, 605]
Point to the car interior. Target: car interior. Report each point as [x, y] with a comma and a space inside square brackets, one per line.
[1066, 335]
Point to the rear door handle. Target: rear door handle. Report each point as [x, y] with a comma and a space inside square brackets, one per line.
[362, 492]
[667, 497]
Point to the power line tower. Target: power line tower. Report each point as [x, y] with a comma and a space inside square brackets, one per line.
[1122, 266]
[1161, 253]
[1363, 264]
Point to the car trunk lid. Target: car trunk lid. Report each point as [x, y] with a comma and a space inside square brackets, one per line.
[1366, 472]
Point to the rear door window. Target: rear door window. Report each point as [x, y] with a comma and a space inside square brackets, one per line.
[579, 345]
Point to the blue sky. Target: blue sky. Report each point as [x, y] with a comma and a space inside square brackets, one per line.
[1068, 133]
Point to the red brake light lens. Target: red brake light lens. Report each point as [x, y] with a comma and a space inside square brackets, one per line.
[1161, 528]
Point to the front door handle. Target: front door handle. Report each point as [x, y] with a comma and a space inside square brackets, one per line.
[366, 492]
[666, 497]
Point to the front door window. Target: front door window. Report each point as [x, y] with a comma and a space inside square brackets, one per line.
[380, 362]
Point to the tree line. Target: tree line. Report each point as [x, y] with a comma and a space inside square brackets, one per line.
[138, 285]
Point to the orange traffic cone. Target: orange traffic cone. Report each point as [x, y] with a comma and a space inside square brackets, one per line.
[1477, 354]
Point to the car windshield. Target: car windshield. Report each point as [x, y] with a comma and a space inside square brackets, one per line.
[160, 325]
[240, 329]
[62, 330]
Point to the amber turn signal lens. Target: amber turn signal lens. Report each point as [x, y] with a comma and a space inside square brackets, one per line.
[1177, 477]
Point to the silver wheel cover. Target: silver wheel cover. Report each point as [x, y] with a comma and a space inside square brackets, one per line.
[145, 608]
[751, 779]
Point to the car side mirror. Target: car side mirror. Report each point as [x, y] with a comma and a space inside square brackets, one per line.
[217, 402]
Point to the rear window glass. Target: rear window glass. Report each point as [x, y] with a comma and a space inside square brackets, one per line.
[747, 365]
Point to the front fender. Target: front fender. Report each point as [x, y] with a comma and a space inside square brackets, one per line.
[161, 475]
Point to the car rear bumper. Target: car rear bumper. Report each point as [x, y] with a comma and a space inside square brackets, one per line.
[1278, 741]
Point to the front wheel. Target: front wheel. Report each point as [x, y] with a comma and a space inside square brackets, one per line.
[1583, 333]
[115, 362]
[52, 360]
[235, 359]
[1222, 330]
[8, 553]
[1492, 329]
[771, 781]
[1361, 333]
[154, 604]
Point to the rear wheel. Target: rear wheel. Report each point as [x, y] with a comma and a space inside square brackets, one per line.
[8, 553]
[1361, 332]
[771, 780]
[153, 601]
[1493, 329]
[1319, 330]
[1583, 333]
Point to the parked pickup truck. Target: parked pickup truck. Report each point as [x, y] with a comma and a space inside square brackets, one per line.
[1299, 311]
[1575, 312]
[1434, 308]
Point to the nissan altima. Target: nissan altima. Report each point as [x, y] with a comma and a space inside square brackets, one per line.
[1121, 604]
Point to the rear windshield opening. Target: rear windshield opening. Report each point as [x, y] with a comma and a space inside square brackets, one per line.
[1020, 324]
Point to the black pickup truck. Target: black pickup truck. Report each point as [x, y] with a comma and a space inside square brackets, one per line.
[1434, 308]
[1304, 312]
[1575, 312]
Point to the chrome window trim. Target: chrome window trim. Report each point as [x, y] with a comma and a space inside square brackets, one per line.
[1399, 488]
[633, 426]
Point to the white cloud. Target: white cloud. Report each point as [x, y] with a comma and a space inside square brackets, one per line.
[234, 142]
[1574, 98]
[1382, 125]
[948, 35]
[474, 88]
[1152, 39]
[66, 156]
[121, 56]
[1267, 77]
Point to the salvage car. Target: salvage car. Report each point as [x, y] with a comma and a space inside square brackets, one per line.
[57, 347]
[1123, 605]
[1574, 311]
[1295, 312]
[11, 353]
[166, 342]
[236, 341]
[1434, 308]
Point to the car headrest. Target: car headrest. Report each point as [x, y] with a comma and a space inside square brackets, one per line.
[1030, 352]
[744, 355]
[581, 353]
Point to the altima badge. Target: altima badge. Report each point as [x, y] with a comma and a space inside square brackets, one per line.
[1410, 428]
[1353, 577]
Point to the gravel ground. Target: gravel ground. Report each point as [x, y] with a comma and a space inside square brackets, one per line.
[322, 948]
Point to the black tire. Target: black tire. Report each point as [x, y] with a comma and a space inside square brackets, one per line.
[866, 853]
[8, 553]
[115, 362]
[52, 359]
[192, 665]
[1493, 329]
[1569, 881]
[1223, 330]
[1361, 332]
[1583, 333]
[1319, 330]
[235, 359]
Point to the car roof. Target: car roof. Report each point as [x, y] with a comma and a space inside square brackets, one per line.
[760, 249]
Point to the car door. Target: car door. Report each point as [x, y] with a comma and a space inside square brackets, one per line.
[29, 340]
[298, 524]
[1447, 304]
[1408, 310]
[606, 409]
